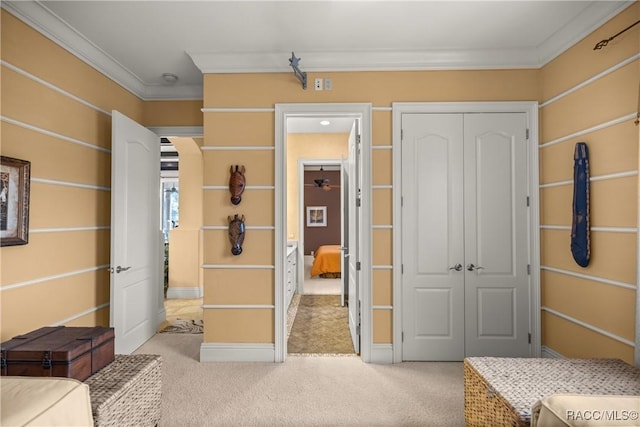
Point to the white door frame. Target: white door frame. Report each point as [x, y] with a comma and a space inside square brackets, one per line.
[301, 164]
[284, 111]
[530, 108]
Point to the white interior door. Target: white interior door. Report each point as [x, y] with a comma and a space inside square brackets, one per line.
[135, 233]
[354, 301]
[432, 237]
[464, 236]
[496, 236]
[344, 231]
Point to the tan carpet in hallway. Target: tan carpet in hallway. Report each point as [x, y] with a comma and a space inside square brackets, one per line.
[303, 391]
[320, 327]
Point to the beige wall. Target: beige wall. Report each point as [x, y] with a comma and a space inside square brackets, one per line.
[60, 276]
[591, 315]
[308, 146]
[240, 134]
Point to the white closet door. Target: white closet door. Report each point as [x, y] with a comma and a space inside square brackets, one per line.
[496, 247]
[464, 236]
[433, 237]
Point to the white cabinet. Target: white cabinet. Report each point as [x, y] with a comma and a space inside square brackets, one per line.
[292, 271]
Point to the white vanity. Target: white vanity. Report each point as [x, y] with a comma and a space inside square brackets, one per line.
[292, 271]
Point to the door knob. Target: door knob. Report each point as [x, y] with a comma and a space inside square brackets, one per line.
[121, 269]
[472, 267]
[457, 267]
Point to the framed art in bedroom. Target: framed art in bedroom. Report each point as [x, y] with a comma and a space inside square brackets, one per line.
[15, 177]
[316, 216]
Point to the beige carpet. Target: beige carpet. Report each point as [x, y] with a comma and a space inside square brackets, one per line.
[320, 327]
[303, 391]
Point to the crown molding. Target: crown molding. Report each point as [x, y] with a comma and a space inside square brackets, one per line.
[438, 59]
[582, 25]
[273, 62]
[42, 19]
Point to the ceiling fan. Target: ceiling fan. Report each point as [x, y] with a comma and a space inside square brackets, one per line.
[322, 183]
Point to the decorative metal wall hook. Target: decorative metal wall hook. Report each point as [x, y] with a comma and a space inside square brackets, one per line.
[300, 75]
[603, 43]
[236, 233]
[237, 183]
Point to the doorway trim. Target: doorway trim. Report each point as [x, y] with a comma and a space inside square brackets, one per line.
[530, 108]
[361, 111]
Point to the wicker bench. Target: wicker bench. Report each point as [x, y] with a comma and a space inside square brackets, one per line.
[127, 392]
[502, 391]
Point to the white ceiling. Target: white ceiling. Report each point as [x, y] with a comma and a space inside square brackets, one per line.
[314, 125]
[135, 42]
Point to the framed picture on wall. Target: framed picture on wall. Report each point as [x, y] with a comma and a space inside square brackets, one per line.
[316, 216]
[15, 177]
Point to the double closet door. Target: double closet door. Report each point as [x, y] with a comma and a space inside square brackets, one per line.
[465, 282]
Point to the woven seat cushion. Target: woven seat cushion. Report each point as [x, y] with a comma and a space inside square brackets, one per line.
[521, 382]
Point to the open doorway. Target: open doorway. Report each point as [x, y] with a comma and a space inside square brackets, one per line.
[181, 214]
[136, 228]
[357, 117]
[169, 198]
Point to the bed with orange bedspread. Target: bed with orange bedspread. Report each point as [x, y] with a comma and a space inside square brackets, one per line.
[327, 261]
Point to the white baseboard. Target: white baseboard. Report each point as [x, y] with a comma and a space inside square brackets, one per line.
[381, 353]
[237, 352]
[184, 293]
[550, 354]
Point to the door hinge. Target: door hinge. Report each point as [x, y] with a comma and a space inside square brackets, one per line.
[358, 266]
[529, 337]
[358, 202]
[528, 201]
[358, 330]
[401, 268]
[528, 269]
[358, 139]
[401, 134]
[526, 134]
[402, 336]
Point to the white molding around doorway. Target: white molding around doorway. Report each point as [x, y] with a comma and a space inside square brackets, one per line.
[361, 111]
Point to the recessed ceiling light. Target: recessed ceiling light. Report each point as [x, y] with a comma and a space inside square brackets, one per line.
[325, 122]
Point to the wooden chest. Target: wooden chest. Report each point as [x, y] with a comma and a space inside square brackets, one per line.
[59, 351]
